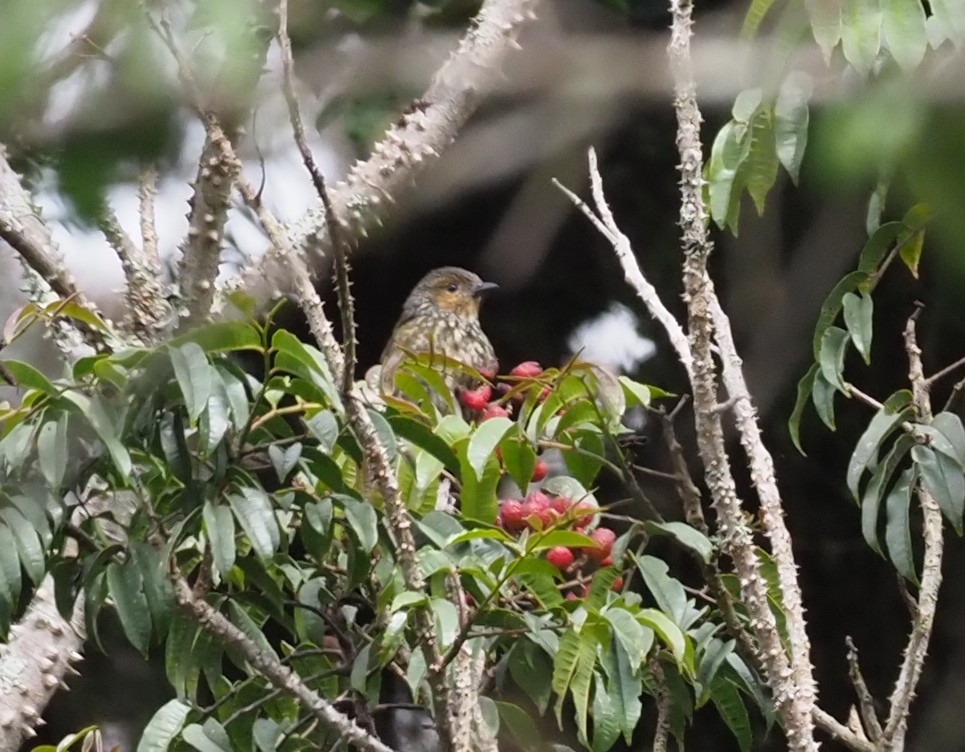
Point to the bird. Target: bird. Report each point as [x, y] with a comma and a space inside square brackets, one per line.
[441, 317]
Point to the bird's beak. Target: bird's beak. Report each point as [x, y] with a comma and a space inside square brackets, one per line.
[483, 288]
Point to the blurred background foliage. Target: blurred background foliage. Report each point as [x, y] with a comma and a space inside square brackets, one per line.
[89, 95]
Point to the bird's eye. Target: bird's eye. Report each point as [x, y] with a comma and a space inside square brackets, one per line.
[452, 287]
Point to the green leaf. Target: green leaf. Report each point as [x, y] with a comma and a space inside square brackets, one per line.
[240, 618]
[532, 671]
[267, 734]
[220, 528]
[635, 639]
[11, 579]
[28, 377]
[302, 360]
[666, 591]
[832, 307]
[519, 459]
[155, 583]
[895, 410]
[126, 588]
[667, 631]
[163, 727]
[362, 520]
[898, 526]
[28, 543]
[861, 33]
[573, 672]
[385, 434]
[945, 481]
[227, 336]
[822, 395]
[804, 387]
[727, 699]
[96, 414]
[825, 18]
[233, 391]
[634, 392]
[687, 536]
[483, 443]
[623, 690]
[875, 250]
[910, 251]
[903, 24]
[206, 738]
[447, 620]
[950, 426]
[521, 726]
[834, 345]
[252, 509]
[874, 492]
[284, 459]
[52, 450]
[760, 167]
[421, 435]
[194, 376]
[858, 314]
[791, 118]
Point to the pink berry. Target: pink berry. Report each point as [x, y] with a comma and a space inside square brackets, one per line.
[561, 505]
[493, 411]
[527, 370]
[512, 516]
[476, 399]
[618, 584]
[603, 538]
[583, 513]
[539, 471]
[560, 557]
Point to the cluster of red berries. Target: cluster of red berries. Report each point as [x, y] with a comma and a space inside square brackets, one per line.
[481, 401]
[539, 511]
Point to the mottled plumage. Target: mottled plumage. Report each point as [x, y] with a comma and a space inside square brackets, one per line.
[441, 316]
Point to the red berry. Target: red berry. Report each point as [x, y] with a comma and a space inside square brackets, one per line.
[544, 393]
[607, 562]
[539, 471]
[604, 538]
[537, 505]
[583, 513]
[618, 584]
[511, 514]
[476, 399]
[488, 373]
[493, 411]
[561, 505]
[572, 597]
[560, 557]
[527, 370]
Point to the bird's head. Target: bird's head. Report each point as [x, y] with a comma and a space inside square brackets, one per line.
[450, 290]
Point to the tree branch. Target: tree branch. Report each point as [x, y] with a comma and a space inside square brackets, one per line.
[923, 617]
[384, 477]
[272, 669]
[34, 662]
[420, 135]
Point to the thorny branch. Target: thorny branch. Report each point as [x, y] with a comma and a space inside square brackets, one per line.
[420, 136]
[340, 242]
[274, 670]
[923, 617]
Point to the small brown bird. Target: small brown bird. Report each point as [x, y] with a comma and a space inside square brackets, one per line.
[441, 317]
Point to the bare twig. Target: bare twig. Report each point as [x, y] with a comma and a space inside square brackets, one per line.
[419, 136]
[931, 576]
[866, 703]
[274, 670]
[830, 725]
[603, 220]
[146, 194]
[944, 372]
[340, 244]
